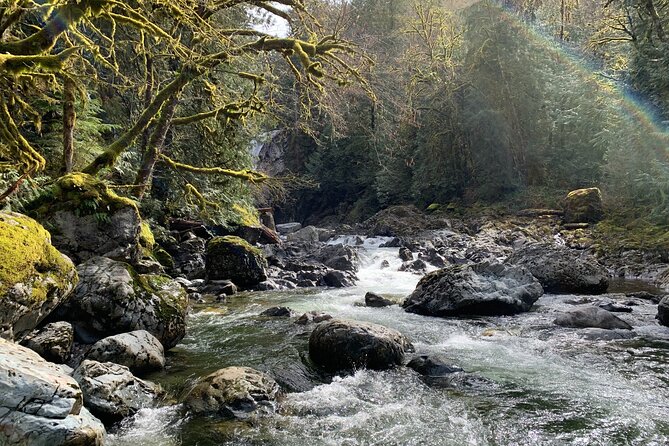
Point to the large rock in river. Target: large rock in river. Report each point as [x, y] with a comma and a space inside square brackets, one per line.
[40, 405]
[34, 277]
[663, 311]
[233, 392]
[344, 346]
[139, 350]
[111, 298]
[583, 206]
[480, 289]
[87, 219]
[560, 270]
[591, 317]
[235, 259]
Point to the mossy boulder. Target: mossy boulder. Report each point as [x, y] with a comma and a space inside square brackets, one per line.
[583, 206]
[235, 259]
[87, 219]
[34, 276]
[111, 298]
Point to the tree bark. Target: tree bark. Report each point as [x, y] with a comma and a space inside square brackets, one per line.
[69, 122]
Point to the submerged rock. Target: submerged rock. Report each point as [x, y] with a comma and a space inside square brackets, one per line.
[583, 206]
[591, 317]
[52, 342]
[235, 259]
[376, 301]
[139, 350]
[663, 311]
[277, 312]
[34, 277]
[233, 392]
[429, 365]
[111, 298]
[40, 404]
[344, 346]
[481, 289]
[313, 317]
[111, 392]
[561, 271]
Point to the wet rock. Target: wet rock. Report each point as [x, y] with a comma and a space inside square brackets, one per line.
[343, 346]
[313, 317]
[385, 264]
[431, 365]
[406, 255]
[139, 350]
[591, 317]
[233, 392]
[218, 287]
[267, 285]
[417, 266]
[40, 404]
[337, 279]
[34, 277]
[583, 206]
[111, 298]
[663, 311]
[481, 289]
[395, 242]
[613, 307]
[376, 301]
[561, 271]
[645, 295]
[308, 234]
[601, 334]
[339, 257]
[288, 228]
[278, 312]
[52, 342]
[111, 392]
[235, 259]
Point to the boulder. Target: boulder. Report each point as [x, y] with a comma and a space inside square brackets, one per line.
[52, 342]
[34, 277]
[313, 317]
[432, 366]
[41, 405]
[406, 255]
[288, 228]
[235, 259]
[337, 279]
[111, 392]
[591, 317]
[111, 298]
[663, 311]
[277, 312]
[344, 346]
[376, 301]
[189, 258]
[481, 289]
[583, 206]
[87, 219]
[560, 270]
[233, 392]
[309, 234]
[339, 257]
[139, 350]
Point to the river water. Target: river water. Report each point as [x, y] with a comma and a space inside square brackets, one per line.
[531, 383]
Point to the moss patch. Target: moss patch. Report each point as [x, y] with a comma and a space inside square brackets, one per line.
[245, 216]
[617, 236]
[146, 238]
[232, 240]
[26, 253]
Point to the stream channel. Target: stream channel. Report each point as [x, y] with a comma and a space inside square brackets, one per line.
[530, 382]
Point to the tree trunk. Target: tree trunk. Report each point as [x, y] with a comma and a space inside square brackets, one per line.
[69, 121]
[154, 147]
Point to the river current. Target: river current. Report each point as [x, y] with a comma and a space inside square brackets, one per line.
[531, 383]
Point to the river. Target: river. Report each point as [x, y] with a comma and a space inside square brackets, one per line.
[530, 382]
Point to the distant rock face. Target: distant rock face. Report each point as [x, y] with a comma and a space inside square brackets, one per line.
[344, 346]
[40, 404]
[52, 342]
[87, 219]
[139, 350]
[111, 392]
[481, 289]
[663, 311]
[235, 259]
[591, 317]
[111, 298]
[561, 271]
[583, 206]
[34, 277]
[233, 392]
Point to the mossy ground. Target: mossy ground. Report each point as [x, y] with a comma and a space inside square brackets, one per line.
[613, 235]
[26, 252]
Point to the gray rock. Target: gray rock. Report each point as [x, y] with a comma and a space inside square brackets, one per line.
[234, 259]
[139, 350]
[111, 298]
[663, 311]
[111, 392]
[406, 255]
[344, 346]
[288, 228]
[308, 234]
[337, 279]
[218, 287]
[278, 312]
[34, 277]
[481, 289]
[430, 365]
[376, 301]
[417, 266]
[190, 258]
[52, 342]
[591, 317]
[339, 257]
[561, 271]
[233, 392]
[313, 317]
[40, 405]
